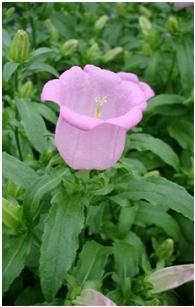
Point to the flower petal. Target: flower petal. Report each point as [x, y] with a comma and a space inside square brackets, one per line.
[127, 121]
[105, 84]
[136, 94]
[147, 90]
[171, 277]
[82, 122]
[78, 92]
[89, 149]
[128, 76]
[52, 91]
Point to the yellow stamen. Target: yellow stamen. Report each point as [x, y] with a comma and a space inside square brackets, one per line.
[99, 104]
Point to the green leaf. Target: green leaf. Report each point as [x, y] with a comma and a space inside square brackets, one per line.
[148, 214]
[29, 296]
[135, 241]
[37, 190]
[34, 125]
[183, 132]
[46, 112]
[126, 219]
[41, 51]
[17, 171]
[91, 263]
[126, 261]
[185, 64]
[130, 164]
[143, 141]
[158, 103]
[14, 257]
[6, 39]
[8, 70]
[159, 191]
[39, 66]
[60, 242]
[94, 217]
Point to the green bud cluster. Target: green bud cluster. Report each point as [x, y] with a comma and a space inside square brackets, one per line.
[111, 54]
[173, 25]
[100, 23]
[52, 29]
[165, 250]
[145, 25]
[93, 52]
[26, 89]
[19, 48]
[69, 47]
[11, 217]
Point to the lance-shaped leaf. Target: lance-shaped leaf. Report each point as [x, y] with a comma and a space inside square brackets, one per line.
[143, 141]
[17, 171]
[14, 258]
[91, 262]
[33, 124]
[37, 190]
[60, 242]
[158, 191]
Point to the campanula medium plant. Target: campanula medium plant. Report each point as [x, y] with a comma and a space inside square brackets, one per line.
[97, 187]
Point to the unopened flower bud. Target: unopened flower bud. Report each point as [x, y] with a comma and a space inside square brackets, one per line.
[144, 11]
[54, 34]
[93, 52]
[165, 250]
[26, 89]
[100, 23]
[13, 189]
[19, 49]
[47, 9]
[153, 302]
[145, 25]
[10, 11]
[111, 54]
[69, 46]
[172, 24]
[154, 173]
[11, 215]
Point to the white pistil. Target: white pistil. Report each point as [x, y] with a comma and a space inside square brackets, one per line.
[99, 104]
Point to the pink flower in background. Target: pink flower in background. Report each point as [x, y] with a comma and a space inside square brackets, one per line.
[97, 107]
[90, 297]
[171, 277]
[183, 4]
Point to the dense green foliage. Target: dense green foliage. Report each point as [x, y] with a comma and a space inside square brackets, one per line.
[64, 231]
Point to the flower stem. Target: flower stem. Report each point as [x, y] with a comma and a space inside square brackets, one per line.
[84, 174]
[33, 32]
[16, 81]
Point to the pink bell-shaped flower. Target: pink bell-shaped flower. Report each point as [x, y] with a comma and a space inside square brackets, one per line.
[183, 4]
[97, 107]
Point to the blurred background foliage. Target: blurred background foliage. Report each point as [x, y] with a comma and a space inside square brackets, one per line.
[153, 40]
